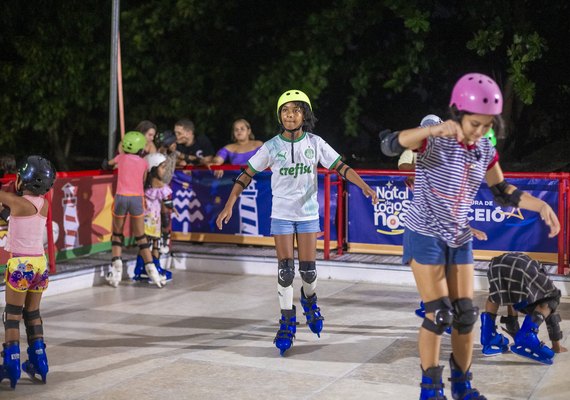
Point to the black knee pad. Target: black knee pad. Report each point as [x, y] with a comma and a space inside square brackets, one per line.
[466, 314]
[308, 271]
[11, 309]
[36, 330]
[442, 315]
[286, 272]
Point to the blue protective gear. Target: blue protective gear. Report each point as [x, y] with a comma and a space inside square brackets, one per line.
[10, 368]
[421, 310]
[443, 315]
[37, 360]
[287, 329]
[432, 385]
[286, 272]
[460, 383]
[465, 315]
[312, 312]
[527, 343]
[493, 343]
[389, 143]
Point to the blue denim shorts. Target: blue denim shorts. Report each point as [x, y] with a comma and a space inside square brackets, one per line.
[429, 250]
[285, 227]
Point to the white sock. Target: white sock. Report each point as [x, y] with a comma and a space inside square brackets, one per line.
[309, 288]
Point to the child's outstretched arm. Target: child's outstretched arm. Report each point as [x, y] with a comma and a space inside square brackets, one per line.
[240, 183]
[350, 175]
[506, 194]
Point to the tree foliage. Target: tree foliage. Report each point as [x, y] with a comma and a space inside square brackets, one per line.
[365, 65]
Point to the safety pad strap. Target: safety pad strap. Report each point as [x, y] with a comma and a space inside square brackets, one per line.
[31, 315]
[308, 271]
[11, 324]
[442, 315]
[115, 259]
[433, 327]
[465, 315]
[145, 245]
[141, 237]
[119, 235]
[13, 309]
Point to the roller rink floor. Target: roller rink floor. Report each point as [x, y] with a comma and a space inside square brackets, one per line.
[210, 336]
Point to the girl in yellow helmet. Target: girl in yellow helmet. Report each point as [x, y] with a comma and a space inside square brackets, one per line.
[293, 156]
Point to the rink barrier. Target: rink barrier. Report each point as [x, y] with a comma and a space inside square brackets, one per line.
[82, 201]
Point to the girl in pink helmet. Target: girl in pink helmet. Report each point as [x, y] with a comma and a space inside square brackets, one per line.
[451, 163]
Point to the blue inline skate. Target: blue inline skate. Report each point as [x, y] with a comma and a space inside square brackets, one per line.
[461, 384]
[527, 343]
[287, 329]
[37, 360]
[432, 385]
[10, 368]
[493, 343]
[140, 274]
[312, 312]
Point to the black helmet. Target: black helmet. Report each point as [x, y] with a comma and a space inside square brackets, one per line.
[164, 139]
[36, 174]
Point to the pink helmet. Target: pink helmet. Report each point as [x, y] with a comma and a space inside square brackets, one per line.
[477, 94]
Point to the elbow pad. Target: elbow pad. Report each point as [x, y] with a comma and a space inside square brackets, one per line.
[389, 143]
[503, 198]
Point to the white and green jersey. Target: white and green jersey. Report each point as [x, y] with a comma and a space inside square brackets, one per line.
[294, 180]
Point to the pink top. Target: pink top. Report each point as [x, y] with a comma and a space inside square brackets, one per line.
[26, 234]
[131, 174]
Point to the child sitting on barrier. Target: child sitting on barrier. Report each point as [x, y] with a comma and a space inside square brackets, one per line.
[129, 199]
[293, 157]
[27, 275]
[158, 198]
[517, 280]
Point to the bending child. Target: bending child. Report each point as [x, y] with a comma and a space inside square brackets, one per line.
[518, 281]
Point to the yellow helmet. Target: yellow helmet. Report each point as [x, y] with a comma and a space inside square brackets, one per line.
[292, 95]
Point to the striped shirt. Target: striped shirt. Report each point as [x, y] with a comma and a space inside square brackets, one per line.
[448, 176]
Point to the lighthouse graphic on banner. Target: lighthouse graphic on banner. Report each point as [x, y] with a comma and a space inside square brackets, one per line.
[70, 220]
[248, 221]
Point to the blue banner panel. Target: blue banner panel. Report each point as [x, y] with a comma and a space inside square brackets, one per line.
[508, 229]
[199, 197]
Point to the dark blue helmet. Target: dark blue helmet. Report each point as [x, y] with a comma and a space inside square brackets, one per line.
[164, 139]
[36, 174]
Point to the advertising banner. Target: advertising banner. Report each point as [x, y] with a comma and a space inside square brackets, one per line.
[199, 197]
[508, 229]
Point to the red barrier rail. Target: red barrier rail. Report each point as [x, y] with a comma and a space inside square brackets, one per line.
[563, 208]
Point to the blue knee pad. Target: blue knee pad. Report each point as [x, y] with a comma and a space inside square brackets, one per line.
[286, 272]
[308, 271]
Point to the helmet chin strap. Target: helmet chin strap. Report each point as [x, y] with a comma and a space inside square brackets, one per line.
[292, 132]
